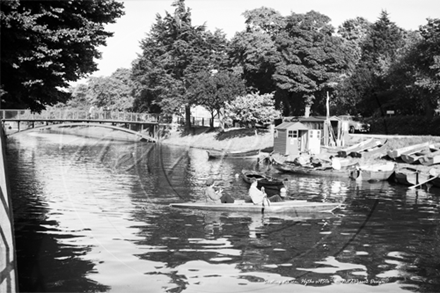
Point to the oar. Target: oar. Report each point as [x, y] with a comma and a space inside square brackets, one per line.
[262, 203]
[414, 186]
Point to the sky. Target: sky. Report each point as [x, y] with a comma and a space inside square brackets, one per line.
[140, 15]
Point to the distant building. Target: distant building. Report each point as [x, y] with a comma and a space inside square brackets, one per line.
[331, 129]
[294, 138]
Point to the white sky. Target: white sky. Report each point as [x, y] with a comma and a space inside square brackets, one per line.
[128, 30]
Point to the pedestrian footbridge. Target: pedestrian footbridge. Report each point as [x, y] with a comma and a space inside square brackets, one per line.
[143, 125]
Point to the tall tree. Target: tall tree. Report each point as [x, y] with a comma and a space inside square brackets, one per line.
[311, 57]
[428, 69]
[379, 50]
[254, 49]
[172, 53]
[114, 92]
[353, 33]
[367, 86]
[213, 90]
[47, 44]
[346, 98]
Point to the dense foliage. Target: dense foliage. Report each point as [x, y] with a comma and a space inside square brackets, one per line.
[113, 93]
[296, 61]
[47, 44]
[405, 125]
[252, 108]
[214, 90]
[174, 54]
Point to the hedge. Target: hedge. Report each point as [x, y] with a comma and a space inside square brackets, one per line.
[405, 125]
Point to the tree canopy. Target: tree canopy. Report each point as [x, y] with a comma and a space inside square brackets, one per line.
[173, 54]
[214, 90]
[295, 60]
[252, 108]
[114, 92]
[47, 44]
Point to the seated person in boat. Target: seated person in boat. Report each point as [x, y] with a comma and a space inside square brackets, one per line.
[258, 196]
[283, 193]
[215, 196]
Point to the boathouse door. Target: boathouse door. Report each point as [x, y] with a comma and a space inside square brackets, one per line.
[314, 141]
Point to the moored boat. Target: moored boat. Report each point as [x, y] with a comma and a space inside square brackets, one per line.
[358, 149]
[434, 177]
[290, 206]
[430, 159]
[373, 172]
[233, 154]
[413, 158]
[410, 176]
[271, 185]
[396, 153]
[310, 170]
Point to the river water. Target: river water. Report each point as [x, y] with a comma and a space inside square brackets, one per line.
[93, 216]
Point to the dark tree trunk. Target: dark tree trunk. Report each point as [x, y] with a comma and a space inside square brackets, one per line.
[188, 117]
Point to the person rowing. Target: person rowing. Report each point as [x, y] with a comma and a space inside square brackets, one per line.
[258, 196]
[214, 196]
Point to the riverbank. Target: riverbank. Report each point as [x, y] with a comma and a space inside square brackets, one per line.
[247, 139]
[240, 139]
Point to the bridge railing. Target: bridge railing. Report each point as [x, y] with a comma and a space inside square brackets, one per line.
[79, 115]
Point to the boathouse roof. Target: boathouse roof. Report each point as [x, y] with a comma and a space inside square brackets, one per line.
[311, 118]
[292, 125]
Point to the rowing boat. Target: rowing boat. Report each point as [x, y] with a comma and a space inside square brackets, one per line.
[310, 170]
[271, 185]
[430, 159]
[291, 206]
[434, 177]
[410, 176]
[233, 154]
[374, 172]
[396, 153]
[368, 146]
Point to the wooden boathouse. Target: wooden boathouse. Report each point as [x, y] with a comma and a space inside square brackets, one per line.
[294, 138]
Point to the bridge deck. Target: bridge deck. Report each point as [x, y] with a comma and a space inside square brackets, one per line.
[80, 120]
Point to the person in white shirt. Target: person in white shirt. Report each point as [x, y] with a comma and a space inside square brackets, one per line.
[260, 197]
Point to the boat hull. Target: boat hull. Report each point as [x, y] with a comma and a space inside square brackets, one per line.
[365, 175]
[410, 177]
[436, 182]
[374, 172]
[394, 154]
[271, 185]
[291, 207]
[430, 160]
[233, 155]
[289, 168]
[369, 147]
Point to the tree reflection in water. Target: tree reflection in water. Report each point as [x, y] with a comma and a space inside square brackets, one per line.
[88, 211]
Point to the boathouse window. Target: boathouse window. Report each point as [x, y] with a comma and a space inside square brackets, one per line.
[292, 133]
[276, 133]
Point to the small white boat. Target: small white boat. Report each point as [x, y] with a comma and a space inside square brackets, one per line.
[291, 206]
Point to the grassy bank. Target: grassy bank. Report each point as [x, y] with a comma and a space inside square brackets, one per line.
[230, 140]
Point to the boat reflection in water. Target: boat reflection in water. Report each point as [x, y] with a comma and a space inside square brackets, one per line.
[94, 216]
